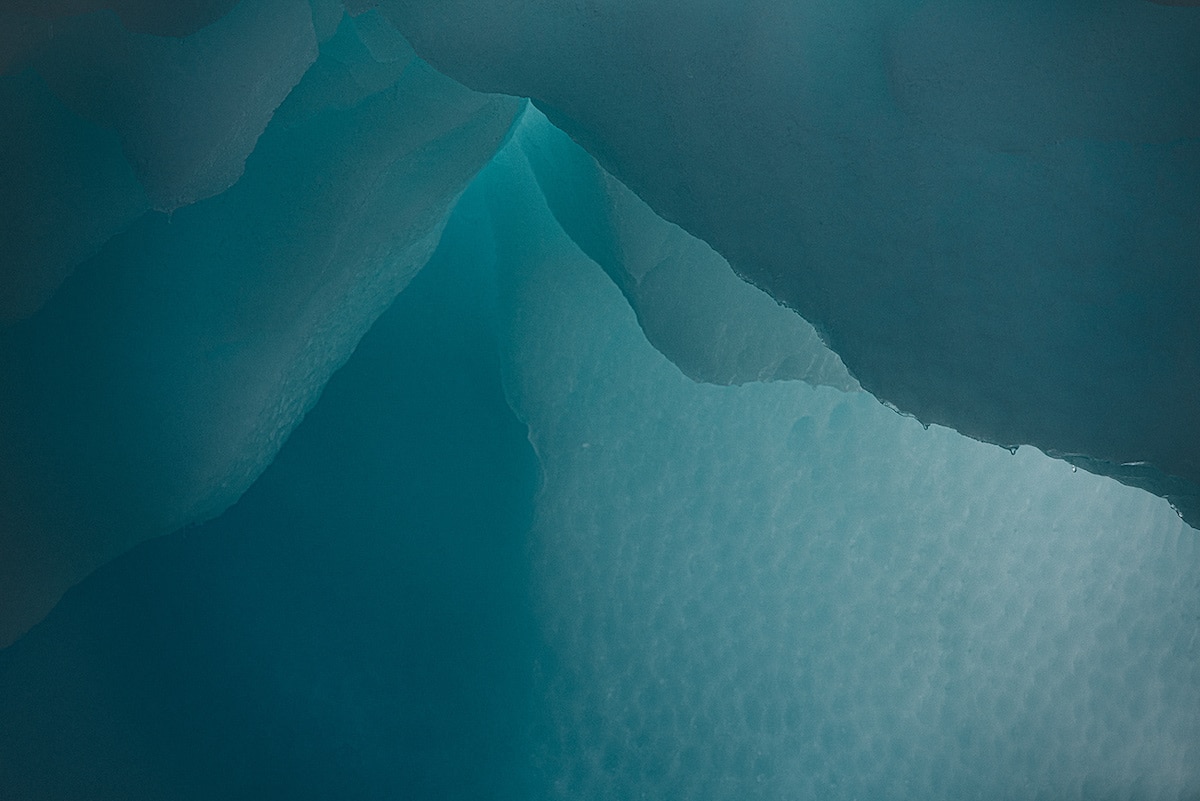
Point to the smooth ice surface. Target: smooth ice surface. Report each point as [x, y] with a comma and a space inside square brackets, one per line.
[356, 627]
[991, 211]
[67, 190]
[190, 110]
[711, 324]
[513, 552]
[779, 591]
[90, 104]
[757, 591]
[163, 377]
[177, 18]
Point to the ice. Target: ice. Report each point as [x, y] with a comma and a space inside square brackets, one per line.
[179, 18]
[555, 530]
[190, 110]
[369, 57]
[68, 189]
[988, 210]
[20, 35]
[692, 307]
[768, 590]
[356, 627]
[163, 377]
[184, 114]
[779, 591]
[327, 18]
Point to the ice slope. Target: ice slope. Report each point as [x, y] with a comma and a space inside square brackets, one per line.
[68, 189]
[356, 627]
[779, 591]
[179, 18]
[757, 591]
[991, 211]
[160, 380]
[691, 306]
[186, 113]
[163, 377]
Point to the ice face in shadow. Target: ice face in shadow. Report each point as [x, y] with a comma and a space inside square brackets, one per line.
[166, 373]
[716, 592]
[190, 110]
[68, 189]
[990, 211]
[179, 18]
[779, 591]
[692, 307]
[183, 114]
[356, 627]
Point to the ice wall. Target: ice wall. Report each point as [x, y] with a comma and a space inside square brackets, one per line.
[179, 18]
[691, 306]
[780, 591]
[68, 189]
[188, 111]
[758, 591]
[162, 378]
[1005, 252]
[185, 112]
[356, 627]
[990, 210]
[752, 590]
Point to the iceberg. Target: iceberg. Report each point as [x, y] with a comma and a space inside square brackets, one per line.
[513, 552]
[784, 591]
[186, 113]
[189, 110]
[176, 19]
[987, 210]
[462, 399]
[691, 306]
[355, 627]
[161, 379]
[69, 189]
